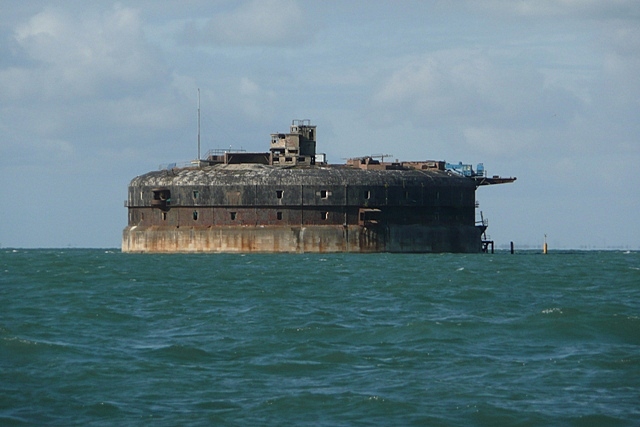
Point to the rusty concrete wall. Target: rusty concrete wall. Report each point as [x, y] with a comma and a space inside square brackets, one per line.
[397, 238]
[258, 208]
[296, 216]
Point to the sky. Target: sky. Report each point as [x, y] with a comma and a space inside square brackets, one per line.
[93, 94]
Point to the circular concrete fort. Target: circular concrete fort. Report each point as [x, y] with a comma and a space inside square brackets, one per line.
[289, 200]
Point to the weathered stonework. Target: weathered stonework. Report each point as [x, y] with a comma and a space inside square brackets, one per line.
[283, 201]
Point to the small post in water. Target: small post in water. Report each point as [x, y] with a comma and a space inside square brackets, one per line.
[544, 247]
[512, 248]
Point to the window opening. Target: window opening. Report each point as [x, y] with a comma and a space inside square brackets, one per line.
[164, 216]
[325, 215]
[324, 194]
[367, 194]
[279, 194]
[279, 215]
[233, 216]
[195, 194]
[195, 215]
[163, 195]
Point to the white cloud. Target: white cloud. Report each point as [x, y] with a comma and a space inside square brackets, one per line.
[253, 23]
[82, 56]
[253, 99]
[465, 88]
[597, 9]
[486, 103]
[499, 142]
[248, 87]
[622, 63]
[88, 76]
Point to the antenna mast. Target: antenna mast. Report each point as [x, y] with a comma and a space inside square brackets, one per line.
[198, 124]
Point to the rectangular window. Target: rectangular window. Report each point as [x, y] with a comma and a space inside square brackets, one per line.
[233, 216]
[279, 215]
[279, 194]
[195, 194]
[324, 194]
[164, 216]
[195, 215]
[325, 215]
[367, 194]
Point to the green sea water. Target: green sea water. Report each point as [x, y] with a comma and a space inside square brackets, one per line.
[101, 338]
